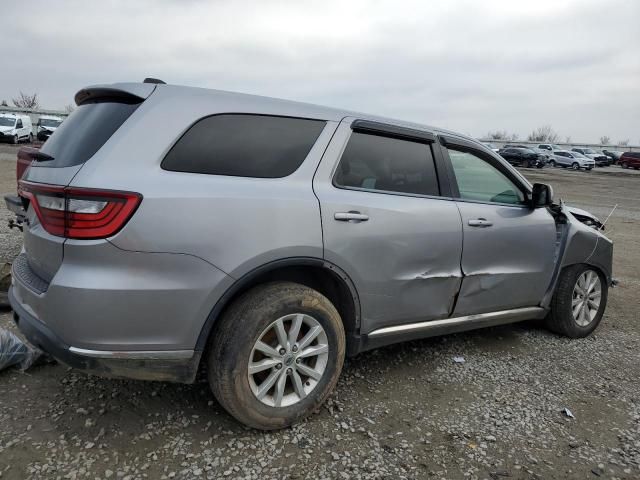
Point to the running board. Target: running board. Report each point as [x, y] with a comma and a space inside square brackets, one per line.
[432, 328]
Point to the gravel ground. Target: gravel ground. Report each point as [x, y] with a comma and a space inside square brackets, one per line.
[405, 411]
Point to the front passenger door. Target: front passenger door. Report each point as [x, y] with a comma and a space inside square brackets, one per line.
[508, 253]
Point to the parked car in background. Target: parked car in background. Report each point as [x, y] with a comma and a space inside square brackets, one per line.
[491, 146]
[630, 160]
[15, 128]
[306, 234]
[600, 158]
[47, 124]
[574, 160]
[525, 157]
[549, 147]
[614, 155]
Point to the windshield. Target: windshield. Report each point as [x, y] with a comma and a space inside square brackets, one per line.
[7, 122]
[588, 150]
[527, 150]
[46, 122]
[577, 154]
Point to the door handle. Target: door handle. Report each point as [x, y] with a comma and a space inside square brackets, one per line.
[350, 217]
[480, 222]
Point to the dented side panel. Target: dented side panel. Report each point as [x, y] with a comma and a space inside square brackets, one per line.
[578, 243]
[404, 260]
[509, 264]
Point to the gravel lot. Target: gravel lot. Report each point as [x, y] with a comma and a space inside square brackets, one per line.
[405, 411]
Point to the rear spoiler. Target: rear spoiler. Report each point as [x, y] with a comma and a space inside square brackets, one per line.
[124, 92]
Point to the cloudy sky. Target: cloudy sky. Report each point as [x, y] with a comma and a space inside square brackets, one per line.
[469, 65]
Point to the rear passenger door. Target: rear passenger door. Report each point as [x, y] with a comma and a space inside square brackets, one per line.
[389, 223]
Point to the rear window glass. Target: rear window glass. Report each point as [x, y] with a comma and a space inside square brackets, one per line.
[387, 164]
[240, 145]
[87, 129]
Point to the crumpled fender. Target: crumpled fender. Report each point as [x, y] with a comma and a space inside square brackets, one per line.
[578, 243]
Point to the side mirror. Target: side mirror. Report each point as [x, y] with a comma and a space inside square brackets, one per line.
[541, 195]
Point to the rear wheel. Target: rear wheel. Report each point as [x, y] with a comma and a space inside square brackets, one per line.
[579, 301]
[276, 355]
[31, 138]
[552, 163]
[624, 165]
[575, 166]
[14, 140]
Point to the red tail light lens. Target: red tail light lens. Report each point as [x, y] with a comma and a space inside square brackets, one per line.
[81, 213]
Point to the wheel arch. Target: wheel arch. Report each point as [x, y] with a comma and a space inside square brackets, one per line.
[316, 273]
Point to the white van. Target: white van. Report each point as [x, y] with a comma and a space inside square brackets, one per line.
[46, 125]
[15, 128]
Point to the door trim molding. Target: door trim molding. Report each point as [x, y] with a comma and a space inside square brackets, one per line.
[458, 324]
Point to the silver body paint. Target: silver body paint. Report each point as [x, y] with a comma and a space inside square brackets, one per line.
[153, 286]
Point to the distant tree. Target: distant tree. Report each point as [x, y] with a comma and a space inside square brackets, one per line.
[26, 101]
[4, 103]
[623, 143]
[605, 140]
[69, 108]
[567, 139]
[502, 135]
[544, 134]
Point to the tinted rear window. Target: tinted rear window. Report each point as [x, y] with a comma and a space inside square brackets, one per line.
[242, 145]
[87, 129]
[387, 164]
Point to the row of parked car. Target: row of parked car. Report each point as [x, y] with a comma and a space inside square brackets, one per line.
[553, 155]
[16, 127]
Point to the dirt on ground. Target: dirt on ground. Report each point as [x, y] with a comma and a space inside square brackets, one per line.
[405, 411]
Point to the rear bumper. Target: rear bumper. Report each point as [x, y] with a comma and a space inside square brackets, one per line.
[169, 366]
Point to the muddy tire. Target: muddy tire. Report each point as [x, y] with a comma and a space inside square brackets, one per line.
[262, 367]
[579, 286]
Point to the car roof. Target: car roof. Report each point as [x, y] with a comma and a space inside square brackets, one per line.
[265, 104]
[50, 117]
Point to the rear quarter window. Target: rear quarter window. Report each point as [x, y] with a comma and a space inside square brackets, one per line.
[85, 131]
[242, 145]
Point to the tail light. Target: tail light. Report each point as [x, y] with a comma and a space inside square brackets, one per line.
[24, 160]
[81, 213]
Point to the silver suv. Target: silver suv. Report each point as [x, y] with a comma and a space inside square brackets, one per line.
[169, 229]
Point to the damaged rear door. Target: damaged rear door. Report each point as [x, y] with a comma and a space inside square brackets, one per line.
[509, 249]
[389, 223]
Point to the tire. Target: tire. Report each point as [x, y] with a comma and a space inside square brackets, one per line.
[588, 169]
[15, 139]
[31, 138]
[575, 166]
[540, 165]
[552, 163]
[561, 318]
[624, 165]
[252, 317]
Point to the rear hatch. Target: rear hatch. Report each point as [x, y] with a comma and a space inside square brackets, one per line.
[101, 111]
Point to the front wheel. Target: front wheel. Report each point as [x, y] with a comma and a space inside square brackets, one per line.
[575, 166]
[552, 163]
[276, 355]
[15, 140]
[579, 301]
[624, 165]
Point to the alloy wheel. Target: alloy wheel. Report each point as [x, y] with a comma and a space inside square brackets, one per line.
[288, 360]
[587, 294]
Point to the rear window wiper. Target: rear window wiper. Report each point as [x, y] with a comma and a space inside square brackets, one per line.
[35, 154]
[40, 157]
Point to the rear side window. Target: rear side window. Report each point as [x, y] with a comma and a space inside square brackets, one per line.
[85, 131]
[374, 162]
[242, 145]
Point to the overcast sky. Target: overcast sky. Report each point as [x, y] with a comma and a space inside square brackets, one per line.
[470, 66]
